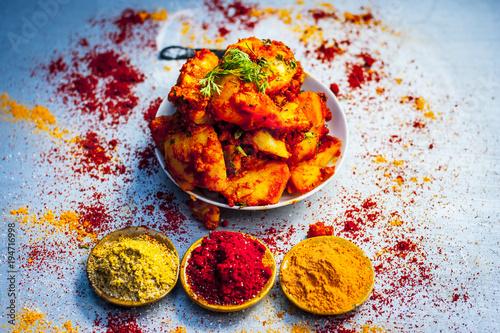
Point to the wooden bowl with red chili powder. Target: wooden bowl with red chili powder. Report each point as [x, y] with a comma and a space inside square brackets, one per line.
[227, 271]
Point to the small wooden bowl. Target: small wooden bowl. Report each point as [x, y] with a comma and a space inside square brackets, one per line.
[342, 242]
[131, 232]
[269, 261]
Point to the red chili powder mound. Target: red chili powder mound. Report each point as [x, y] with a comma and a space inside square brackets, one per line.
[227, 268]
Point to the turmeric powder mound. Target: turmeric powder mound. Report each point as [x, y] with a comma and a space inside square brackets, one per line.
[326, 275]
[39, 115]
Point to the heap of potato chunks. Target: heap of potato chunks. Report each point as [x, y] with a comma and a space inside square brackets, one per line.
[243, 128]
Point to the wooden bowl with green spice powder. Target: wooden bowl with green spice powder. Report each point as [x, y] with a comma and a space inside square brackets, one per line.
[133, 266]
[326, 275]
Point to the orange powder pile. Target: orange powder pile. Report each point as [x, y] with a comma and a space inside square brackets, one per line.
[39, 115]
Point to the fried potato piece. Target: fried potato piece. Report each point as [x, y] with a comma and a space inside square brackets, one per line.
[196, 159]
[308, 174]
[162, 126]
[232, 158]
[186, 95]
[314, 107]
[263, 141]
[280, 59]
[241, 104]
[262, 185]
[208, 214]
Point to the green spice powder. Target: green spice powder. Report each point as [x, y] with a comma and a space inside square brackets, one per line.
[134, 269]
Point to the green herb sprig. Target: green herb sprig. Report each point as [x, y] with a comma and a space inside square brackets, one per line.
[238, 63]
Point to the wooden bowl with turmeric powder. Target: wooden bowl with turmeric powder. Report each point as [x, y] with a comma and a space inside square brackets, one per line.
[134, 266]
[227, 271]
[326, 275]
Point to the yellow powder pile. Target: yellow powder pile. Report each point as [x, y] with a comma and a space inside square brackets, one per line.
[134, 269]
[32, 321]
[39, 115]
[326, 276]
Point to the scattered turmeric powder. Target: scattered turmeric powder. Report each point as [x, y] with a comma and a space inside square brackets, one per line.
[39, 115]
[160, 15]
[29, 320]
[66, 221]
[326, 275]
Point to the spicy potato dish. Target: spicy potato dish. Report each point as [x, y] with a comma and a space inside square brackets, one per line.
[243, 127]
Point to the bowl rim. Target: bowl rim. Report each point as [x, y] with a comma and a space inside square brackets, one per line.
[132, 232]
[319, 239]
[338, 122]
[227, 308]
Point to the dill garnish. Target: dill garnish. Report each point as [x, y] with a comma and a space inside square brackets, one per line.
[238, 63]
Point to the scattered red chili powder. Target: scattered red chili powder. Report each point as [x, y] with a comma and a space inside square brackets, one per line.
[328, 53]
[127, 20]
[147, 159]
[227, 268]
[319, 14]
[94, 157]
[365, 18]
[319, 229]
[150, 112]
[356, 76]
[367, 58]
[120, 322]
[57, 65]
[173, 219]
[360, 74]
[234, 12]
[404, 246]
[223, 31]
[107, 90]
[94, 215]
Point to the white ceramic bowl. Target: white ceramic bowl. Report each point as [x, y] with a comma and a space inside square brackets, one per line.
[337, 126]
